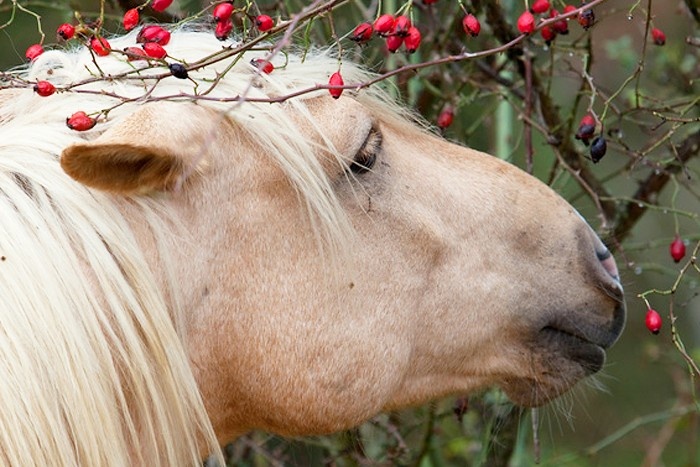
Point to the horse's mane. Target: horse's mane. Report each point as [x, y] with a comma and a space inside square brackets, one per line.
[103, 378]
[274, 129]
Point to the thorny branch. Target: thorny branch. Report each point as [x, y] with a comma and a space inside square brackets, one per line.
[650, 187]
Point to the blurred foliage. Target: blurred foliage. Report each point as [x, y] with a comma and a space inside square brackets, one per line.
[523, 103]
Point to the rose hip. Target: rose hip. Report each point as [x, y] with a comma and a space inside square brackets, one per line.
[33, 51]
[100, 46]
[401, 26]
[264, 23]
[393, 43]
[658, 36]
[362, 33]
[446, 117]
[154, 50]
[526, 23]
[336, 79]
[223, 29]
[44, 88]
[222, 11]
[161, 5]
[262, 65]
[66, 31]
[540, 6]
[153, 33]
[471, 25]
[586, 18]
[135, 53]
[130, 19]
[598, 149]
[384, 24]
[653, 321]
[80, 121]
[677, 249]
[412, 41]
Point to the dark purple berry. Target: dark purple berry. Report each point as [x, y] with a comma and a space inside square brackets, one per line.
[178, 70]
[598, 148]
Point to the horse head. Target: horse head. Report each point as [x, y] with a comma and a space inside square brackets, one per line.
[329, 259]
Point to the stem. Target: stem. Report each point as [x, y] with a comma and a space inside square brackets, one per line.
[529, 151]
[426, 445]
[637, 423]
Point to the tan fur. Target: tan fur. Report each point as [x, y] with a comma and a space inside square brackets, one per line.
[462, 260]
[206, 263]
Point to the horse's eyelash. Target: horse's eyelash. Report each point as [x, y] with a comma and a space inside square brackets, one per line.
[373, 143]
[367, 154]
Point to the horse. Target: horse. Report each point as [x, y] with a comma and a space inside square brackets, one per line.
[213, 257]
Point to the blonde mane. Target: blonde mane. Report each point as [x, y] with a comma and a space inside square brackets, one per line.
[103, 378]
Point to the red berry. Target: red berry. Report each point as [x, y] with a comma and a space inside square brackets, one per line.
[393, 43]
[548, 34]
[264, 23]
[587, 119]
[429, 2]
[336, 80]
[401, 26]
[153, 33]
[130, 19]
[653, 321]
[154, 50]
[569, 9]
[471, 25]
[677, 249]
[586, 18]
[80, 121]
[222, 12]
[65, 31]
[412, 41]
[561, 26]
[586, 128]
[33, 51]
[384, 24]
[446, 117]
[44, 88]
[526, 23]
[362, 33]
[262, 65]
[658, 36]
[100, 46]
[135, 53]
[223, 29]
[160, 5]
[540, 6]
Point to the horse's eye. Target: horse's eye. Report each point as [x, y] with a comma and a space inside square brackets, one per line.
[367, 155]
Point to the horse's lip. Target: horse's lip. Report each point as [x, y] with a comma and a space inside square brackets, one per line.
[590, 354]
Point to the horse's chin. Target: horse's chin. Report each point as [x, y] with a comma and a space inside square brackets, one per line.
[560, 360]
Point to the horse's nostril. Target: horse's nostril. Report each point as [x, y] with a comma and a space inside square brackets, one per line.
[603, 254]
[608, 262]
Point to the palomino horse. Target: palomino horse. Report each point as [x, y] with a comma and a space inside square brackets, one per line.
[193, 267]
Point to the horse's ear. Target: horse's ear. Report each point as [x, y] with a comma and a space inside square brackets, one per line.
[156, 148]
